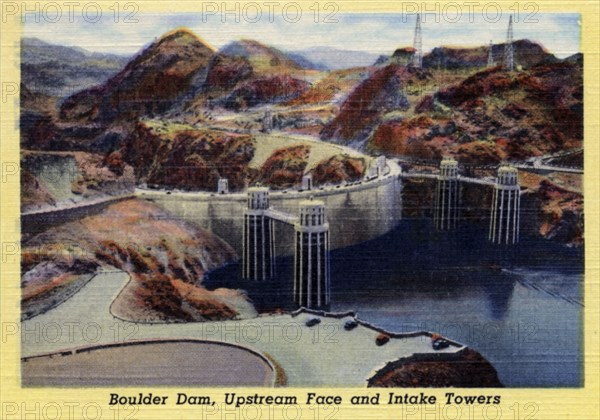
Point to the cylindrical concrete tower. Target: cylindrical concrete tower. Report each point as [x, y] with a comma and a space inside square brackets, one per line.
[381, 163]
[311, 258]
[446, 212]
[259, 244]
[506, 204]
[267, 121]
[307, 182]
[223, 186]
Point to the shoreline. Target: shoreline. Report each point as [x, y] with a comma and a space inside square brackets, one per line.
[309, 356]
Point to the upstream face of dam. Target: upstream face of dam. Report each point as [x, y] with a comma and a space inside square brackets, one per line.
[355, 215]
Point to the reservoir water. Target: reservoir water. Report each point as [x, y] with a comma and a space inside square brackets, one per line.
[519, 307]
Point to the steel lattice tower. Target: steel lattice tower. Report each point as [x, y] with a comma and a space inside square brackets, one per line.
[418, 45]
[490, 62]
[509, 62]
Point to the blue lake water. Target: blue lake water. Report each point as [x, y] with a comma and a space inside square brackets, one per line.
[519, 306]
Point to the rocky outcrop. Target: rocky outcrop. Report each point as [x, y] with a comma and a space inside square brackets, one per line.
[285, 167]
[337, 169]
[37, 120]
[527, 54]
[225, 72]
[333, 88]
[493, 116]
[165, 257]
[467, 369]
[270, 90]
[559, 210]
[51, 178]
[407, 137]
[32, 192]
[263, 57]
[47, 175]
[179, 156]
[246, 73]
[361, 111]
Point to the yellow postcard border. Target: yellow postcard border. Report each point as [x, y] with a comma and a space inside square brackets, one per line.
[576, 403]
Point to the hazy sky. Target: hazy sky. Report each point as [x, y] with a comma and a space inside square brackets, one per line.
[377, 33]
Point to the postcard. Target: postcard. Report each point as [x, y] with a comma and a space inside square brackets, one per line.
[300, 210]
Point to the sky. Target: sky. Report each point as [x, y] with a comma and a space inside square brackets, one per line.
[377, 33]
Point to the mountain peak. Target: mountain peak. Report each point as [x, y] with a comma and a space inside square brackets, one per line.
[247, 48]
[150, 83]
[260, 55]
[181, 36]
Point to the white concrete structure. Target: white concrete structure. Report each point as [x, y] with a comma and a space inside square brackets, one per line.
[307, 182]
[446, 211]
[372, 172]
[259, 246]
[223, 186]
[381, 163]
[506, 203]
[267, 121]
[311, 246]
[311, 257]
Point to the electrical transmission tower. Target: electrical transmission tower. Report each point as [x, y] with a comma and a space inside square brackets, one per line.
[490, 62]
[509, 61]
[418, 45]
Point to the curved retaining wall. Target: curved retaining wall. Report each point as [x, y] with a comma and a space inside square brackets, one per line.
[357, 212]
[37, 221]
[85, 349]
[354, 315]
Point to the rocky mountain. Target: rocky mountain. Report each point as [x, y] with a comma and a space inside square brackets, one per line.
[339, 168]
[177, 114]
[247, 73]
[60, 71]
[180, 156]
[575, 59]
[492, 116]
[328, 58]
[526, 54]
[262, 57]
[38, 112]
[150, 83]
[185, 158]
[84, 176]
[304, 62]
[487, 117]
[267, 90]
[285, 167]
[334, 87]
[381, 92]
